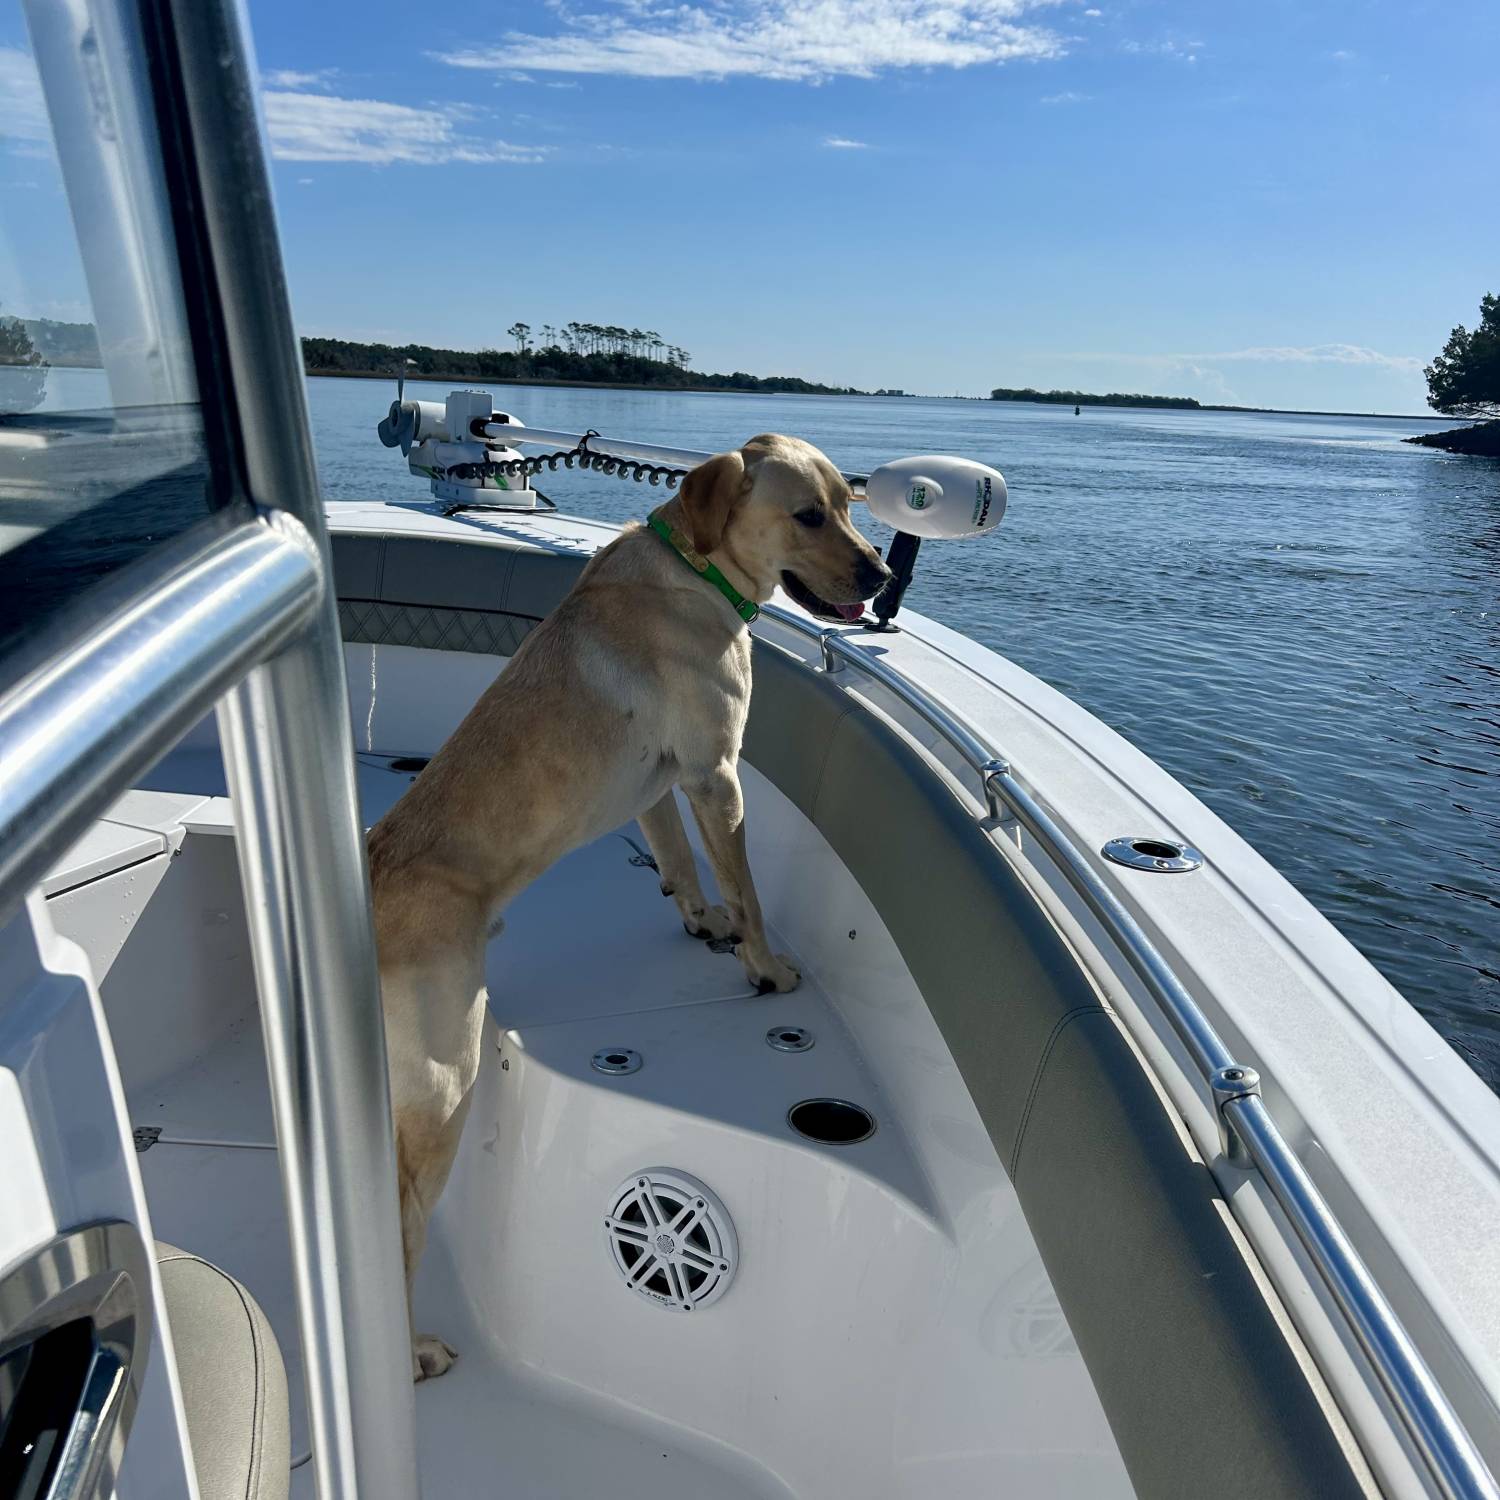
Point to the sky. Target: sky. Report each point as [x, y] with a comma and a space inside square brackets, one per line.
[1272, 203]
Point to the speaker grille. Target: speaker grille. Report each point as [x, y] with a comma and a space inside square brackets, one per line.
[671, 1239]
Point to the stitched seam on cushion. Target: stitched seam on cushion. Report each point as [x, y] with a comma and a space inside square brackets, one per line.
[1063, 1021]
[257, 1411]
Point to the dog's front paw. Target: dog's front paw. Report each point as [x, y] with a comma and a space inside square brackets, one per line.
[708, 923]
[430, 1356]
[774, 973]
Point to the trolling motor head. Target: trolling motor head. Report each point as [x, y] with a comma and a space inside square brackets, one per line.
[445, 443]
[933, 496]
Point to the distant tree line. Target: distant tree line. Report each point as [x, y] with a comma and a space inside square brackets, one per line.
[587, 353]
[599, 338]
[52, 343]
[1083, 398]
[25, 383]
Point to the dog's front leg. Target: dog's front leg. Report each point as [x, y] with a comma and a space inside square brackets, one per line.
[719, 807]
[662, 825]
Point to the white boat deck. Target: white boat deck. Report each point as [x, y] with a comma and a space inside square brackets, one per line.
[493, 1424]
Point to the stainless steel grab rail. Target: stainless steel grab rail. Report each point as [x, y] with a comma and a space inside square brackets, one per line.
[289, 750]
[1248, 1134]
[75, 730]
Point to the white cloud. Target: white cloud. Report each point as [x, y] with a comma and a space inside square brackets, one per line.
[290, 78]
[1092, 12]
[1171, 48]
[1313, 354]
[23, 112]
[843, 143]
[304, 182]
[800, 40]
[1303, 354]
[1342, 55]
[324, 127]
[1066, 97]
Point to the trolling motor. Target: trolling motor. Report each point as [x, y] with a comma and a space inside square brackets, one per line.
[464, 448]
[445, 443]
[936, 496]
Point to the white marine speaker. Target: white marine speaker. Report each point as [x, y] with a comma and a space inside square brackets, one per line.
[672, 1241]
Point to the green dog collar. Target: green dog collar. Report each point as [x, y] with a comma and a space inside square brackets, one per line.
[746, 609]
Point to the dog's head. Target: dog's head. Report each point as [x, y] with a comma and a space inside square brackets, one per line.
[779, 511]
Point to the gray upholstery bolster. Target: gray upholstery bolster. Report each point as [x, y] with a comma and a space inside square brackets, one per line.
[444, 595]
[436, 572]
[1185, 1352]
[1187, 1358]
[233, 1381]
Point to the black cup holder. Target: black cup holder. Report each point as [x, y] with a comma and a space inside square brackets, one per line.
[831, 1122]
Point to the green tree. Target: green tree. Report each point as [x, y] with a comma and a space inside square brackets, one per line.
[520, 332]
[25, 383]
[1464, 380]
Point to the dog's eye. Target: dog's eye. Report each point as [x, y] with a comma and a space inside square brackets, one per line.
[812, 516]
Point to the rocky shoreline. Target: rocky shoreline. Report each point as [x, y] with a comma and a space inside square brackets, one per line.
[1482, 440]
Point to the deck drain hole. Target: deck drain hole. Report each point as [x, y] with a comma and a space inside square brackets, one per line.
[834, 1122]
[789, 1038]
[671, 1239]
[616, 1060]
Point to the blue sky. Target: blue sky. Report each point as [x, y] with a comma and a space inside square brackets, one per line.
[1273, 203]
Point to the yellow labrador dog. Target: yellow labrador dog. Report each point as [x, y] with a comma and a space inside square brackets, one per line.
[638, 682]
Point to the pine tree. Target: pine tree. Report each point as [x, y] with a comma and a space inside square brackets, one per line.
[25, 381]
[1464, 380]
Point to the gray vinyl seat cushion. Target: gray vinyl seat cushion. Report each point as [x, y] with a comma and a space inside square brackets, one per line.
[233, 1381]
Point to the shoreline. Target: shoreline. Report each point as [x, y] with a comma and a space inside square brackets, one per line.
[729, 390]
[581, 385]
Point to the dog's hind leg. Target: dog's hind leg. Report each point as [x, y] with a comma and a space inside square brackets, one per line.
[425, 1148]
[434, 1017]
[662, 825]
[719, 807]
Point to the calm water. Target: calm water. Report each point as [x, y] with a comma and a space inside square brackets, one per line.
[1298, 616]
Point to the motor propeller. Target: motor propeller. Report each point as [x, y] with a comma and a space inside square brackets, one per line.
[402, 425]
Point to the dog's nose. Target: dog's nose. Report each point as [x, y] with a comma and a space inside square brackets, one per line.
[873, 576]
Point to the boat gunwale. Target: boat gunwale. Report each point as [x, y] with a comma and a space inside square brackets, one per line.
[1389, 1353]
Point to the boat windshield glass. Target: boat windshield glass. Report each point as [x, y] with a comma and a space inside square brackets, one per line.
[101, 439]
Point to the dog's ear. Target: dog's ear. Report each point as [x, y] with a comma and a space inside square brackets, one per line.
[709, 493]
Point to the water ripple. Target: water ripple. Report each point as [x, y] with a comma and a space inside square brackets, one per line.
[1299, 617]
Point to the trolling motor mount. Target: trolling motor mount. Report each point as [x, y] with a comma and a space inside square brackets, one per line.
[462, 447]
[935, 496]
[443, 443]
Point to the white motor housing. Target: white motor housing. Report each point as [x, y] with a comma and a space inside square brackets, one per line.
[937, 496]
[446, 446]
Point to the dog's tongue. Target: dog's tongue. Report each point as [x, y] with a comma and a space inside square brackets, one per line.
[851, 612]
